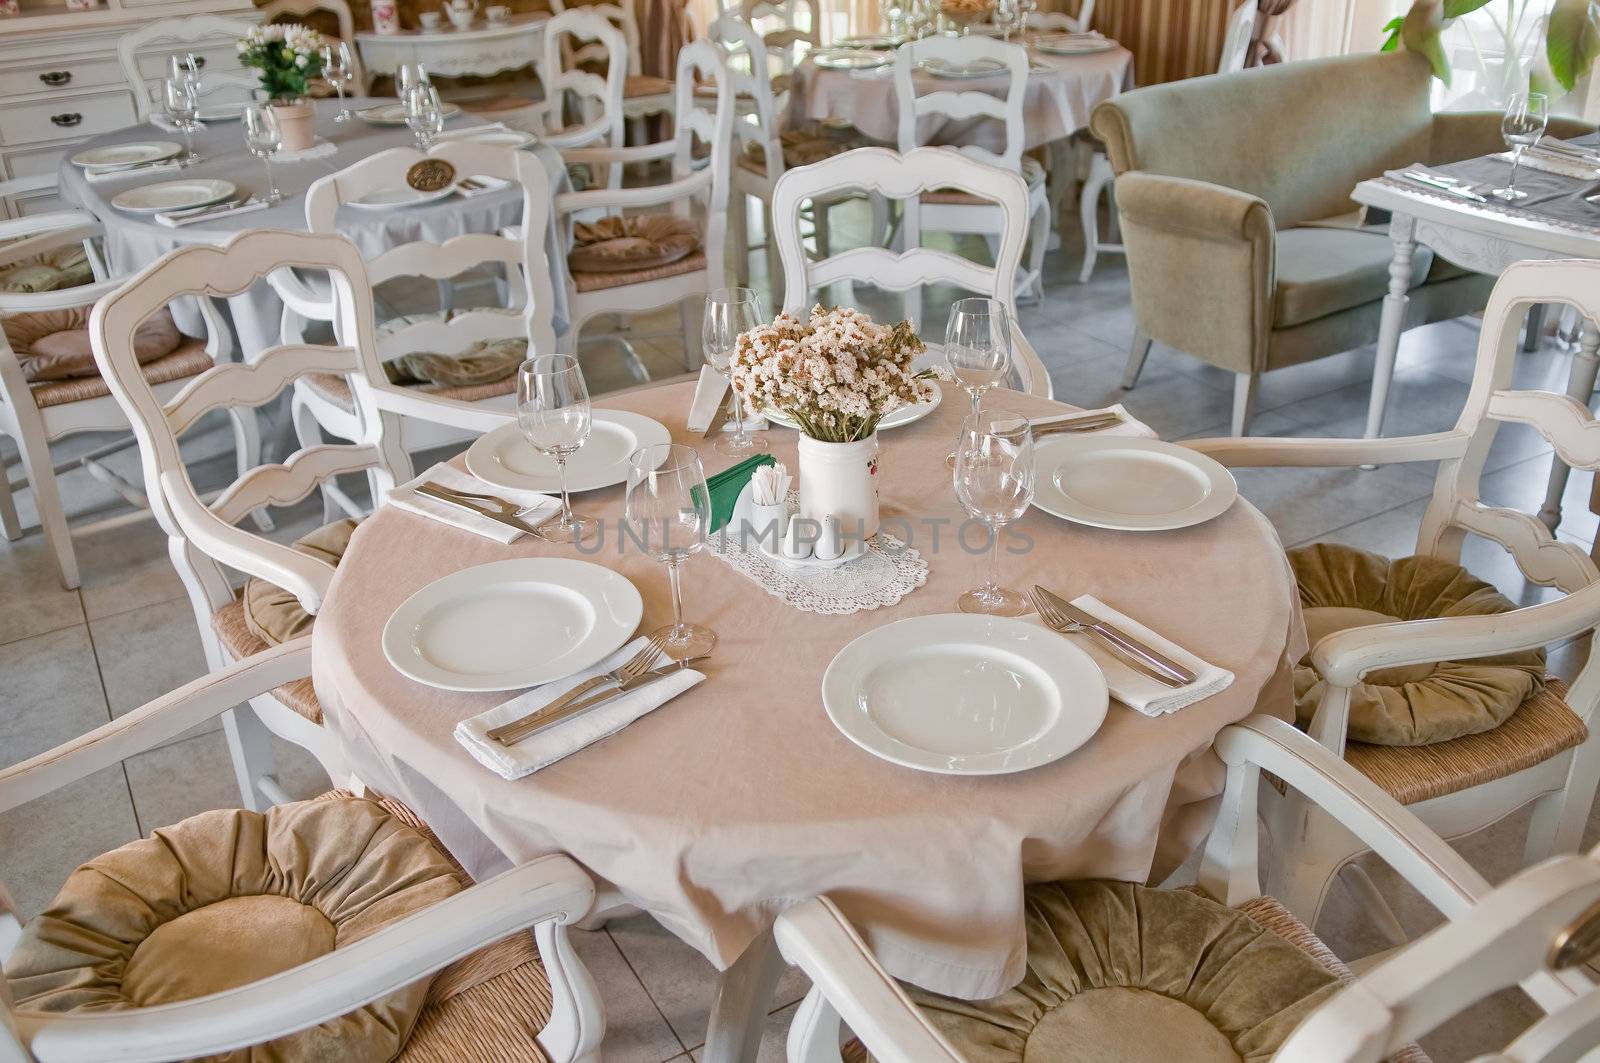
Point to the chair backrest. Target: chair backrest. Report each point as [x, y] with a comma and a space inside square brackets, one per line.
[959, 104]
[205, 537]
[597, 100]
[779, 24]
[519, 258]
[905, 177]
[1060, 21]
[621, 17]
[175, 33]
[1236, 41]
[747, 61]
[278, 10]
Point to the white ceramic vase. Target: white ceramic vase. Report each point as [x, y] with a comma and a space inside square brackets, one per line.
[840, 480]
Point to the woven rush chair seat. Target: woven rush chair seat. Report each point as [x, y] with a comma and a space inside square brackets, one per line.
[637, 86]
[595, 280]
[336, 389]
[234, 632]
[1032, 173]
[805, 145]
[189, 359]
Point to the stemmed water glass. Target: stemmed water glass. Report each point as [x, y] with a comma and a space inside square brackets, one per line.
[424, 114]
[730, 311]
[1007, 16]
[178, 99]
[668, 512]
[1524, 121]
[263, 137]
[994, 480]
[409, 76]
[977, 345]
[336, 68]
[554, 414]
[184, 66]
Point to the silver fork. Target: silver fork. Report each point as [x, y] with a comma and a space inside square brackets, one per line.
[635, 666]
[1066, 625]
[504, 511]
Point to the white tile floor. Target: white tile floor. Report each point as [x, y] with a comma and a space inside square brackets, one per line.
[70, 660]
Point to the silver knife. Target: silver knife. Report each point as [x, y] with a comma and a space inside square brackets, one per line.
[720, 415]
[1160, 662]
[546, 719]
[441, 495]
[1443, 186]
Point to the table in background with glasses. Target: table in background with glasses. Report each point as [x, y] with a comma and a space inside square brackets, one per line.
[133, 241]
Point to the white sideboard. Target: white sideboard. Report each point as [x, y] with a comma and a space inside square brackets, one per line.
[60, 81]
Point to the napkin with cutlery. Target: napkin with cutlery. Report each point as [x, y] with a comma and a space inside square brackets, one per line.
[543, 749]
[1128, 426]
[535, 507]
[177, 218]
[1133, 688]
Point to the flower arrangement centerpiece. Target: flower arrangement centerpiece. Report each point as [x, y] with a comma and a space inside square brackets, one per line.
[966, 13]
[836, 374]
[289, 56]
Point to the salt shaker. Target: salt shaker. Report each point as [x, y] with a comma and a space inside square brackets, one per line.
[795, 548]
[831, 545]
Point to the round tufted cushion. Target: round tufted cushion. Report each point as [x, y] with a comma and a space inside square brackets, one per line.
[1342, 587]
[617, 244]
[228, 897]
[482, 363]
[274, 615]
[1121, 972]
[54, 344]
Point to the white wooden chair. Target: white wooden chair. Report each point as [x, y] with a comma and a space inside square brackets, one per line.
[789, 29]
[1235, 54]
[641, 96]
[1496, 938]
[1060, 21]
[955, 211]
[35, 415]
[697, 189]
[595, 102]
[546, 895]
[515, 257]
[279, 10]
[216, 87]
[882, 172]
[1547, 754]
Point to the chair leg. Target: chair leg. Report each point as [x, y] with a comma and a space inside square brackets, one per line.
[1038, 241]
[577, 1019]
[9, 524]
[1136, 356]
[1244, 401]
[1533, 333]
[1100, 177]
[247, 453]
[254, 761]
[35, 451]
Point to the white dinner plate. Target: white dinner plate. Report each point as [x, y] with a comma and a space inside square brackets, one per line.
[173, 195]
[903, 416]
[507, 138]
[1073, 44]
[398, 197]
[395, 113]
[511, 624]
[878, 41]
[977, 68]
[114, 155]
[962, 694]
[221, 112]
[1129, 484]
[850, 58]
[505, 458]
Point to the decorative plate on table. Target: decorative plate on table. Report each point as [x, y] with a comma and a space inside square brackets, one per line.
[221, 112]
[903, 416]
[173, 195]
[505, 458]
[1073, 44]
[977, 68]
[963, 694]
[1129, 484]
[850, 58]
[395, 113]
[509, 625]
[396, 198]
[114, 156]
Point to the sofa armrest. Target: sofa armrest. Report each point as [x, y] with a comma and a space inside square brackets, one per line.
[1201, 261]
[1461, 135]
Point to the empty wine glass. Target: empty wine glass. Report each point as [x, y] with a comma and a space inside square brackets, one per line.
[336, 67]
[730, 311]
[184, 66]
[178, 99]
[409, 76]
[994, 480]
[554, 414]
[977, 345]
[1006, 17]
[668, 511]
[263, 137]
[424, 114]
[1527, 114]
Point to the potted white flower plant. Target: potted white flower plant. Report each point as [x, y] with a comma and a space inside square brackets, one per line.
[289, 56]
[836, 374]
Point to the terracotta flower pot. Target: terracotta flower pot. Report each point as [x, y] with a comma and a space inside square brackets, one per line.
[297, 122]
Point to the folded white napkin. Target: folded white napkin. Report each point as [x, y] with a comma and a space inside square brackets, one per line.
[1130, 426]
[708, 393]
[474, 130]
[200, 214]
[585, 729]
[483, 186]
[1133, 688]
[535, 507]
[111, 173]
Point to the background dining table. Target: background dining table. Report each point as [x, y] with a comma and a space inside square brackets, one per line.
[133, 241]
[738, 798]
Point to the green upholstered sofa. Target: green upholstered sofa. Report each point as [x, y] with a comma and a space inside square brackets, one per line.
[1244, 246]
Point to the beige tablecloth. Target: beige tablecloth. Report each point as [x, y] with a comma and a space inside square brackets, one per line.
[1060, 97]
[739, 798]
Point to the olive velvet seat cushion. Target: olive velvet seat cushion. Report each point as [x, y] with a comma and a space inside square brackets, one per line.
[1118, 972]
[228, 897]
[1342, 587]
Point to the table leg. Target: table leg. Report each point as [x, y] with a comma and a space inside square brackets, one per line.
[1580, 386]
[739, 1012]
[1402, 230]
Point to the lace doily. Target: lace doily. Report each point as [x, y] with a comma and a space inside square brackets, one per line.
[320, 150]
[887, 572]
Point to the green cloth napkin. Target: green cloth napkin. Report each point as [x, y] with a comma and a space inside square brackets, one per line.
[726, 485]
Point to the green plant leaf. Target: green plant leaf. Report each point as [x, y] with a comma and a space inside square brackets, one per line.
[1572, 40]
[1457, 8]
[1420, 33]
[1391, 30]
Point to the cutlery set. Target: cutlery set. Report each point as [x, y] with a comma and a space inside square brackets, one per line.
[1066, 618]
[493, 507]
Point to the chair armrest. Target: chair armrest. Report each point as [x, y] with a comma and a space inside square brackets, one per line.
[550, 889]
[1184, 206]
[1263, 452]
[420, 405]
[154, 722]
[645, 196]
[1458, 135]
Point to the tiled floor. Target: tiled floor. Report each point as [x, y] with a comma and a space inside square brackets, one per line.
[70, 660]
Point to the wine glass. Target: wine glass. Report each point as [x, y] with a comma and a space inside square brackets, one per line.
[336, 66]
[668, 511]
[1007, 15]
[424, 114]
[409, 76]
[178, 99]
[263, 137]
[1527, 114]
[994, 480]
[554, 414]
[977, 345]
[730, 311]
[184, 66]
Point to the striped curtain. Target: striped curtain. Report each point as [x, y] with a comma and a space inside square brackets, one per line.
[1170, 39]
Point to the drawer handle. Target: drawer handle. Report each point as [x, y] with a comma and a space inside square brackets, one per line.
[67, 120]
[199, 62]
[56, 78]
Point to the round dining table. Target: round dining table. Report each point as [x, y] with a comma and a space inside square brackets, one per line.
[133, 241]
[739, 798]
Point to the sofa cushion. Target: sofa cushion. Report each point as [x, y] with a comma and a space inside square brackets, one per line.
[1325, 269]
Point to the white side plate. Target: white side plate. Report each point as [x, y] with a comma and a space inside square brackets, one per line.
[505, 458]
[396, 198]
[114, 155]
[961, 694]
[903, 416]
[509, 138]
[173, 195]
[1129, 484]
[1074, 44]
[511, 624]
